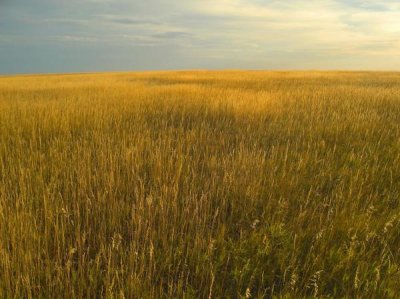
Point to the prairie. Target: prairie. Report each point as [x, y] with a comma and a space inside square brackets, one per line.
[200, 184]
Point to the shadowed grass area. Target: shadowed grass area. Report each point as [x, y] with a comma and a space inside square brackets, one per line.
[200, 185]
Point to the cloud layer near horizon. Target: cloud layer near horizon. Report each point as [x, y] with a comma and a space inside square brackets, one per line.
[96, 35]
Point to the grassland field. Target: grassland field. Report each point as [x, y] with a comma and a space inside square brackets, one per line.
[200, 184]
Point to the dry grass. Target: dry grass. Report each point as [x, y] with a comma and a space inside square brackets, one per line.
[200, 185]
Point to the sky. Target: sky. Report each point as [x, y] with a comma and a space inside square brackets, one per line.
[57, 36]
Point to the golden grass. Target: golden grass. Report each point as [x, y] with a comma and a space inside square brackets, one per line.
[200, 185]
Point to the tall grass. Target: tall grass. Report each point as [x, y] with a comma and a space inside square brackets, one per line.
[200, 185]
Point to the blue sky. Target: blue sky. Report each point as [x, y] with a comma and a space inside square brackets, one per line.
[45, 36]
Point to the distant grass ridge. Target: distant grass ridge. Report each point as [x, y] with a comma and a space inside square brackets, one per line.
[200, 185]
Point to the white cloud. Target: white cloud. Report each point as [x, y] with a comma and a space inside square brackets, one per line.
[315, 25]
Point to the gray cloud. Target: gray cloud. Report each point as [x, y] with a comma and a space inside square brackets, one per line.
[173, 35]
[131, 21]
